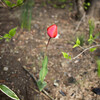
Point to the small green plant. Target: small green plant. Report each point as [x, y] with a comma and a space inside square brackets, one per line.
[98, 64]
[57, 3]
[43, 72]
[8, 92]
[92, 49]
[11, 5]
[9, 35]
[81, 38]
[86, 5]
[26, 14]
[91, 30]
[79, 43]
[66, 55]
[52, 33]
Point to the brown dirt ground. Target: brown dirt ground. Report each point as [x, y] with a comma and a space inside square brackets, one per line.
[74, 78]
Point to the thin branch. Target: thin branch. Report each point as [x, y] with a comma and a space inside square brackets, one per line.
[48, 94]
[33, 77]
[98, 45]
[39, 92]
[48, 43]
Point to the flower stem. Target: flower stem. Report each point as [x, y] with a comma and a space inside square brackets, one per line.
[48, 43]
[47, 47]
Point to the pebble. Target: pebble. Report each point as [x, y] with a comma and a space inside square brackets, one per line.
[19, 59]
[76, 61]
[62, 93]
[96, 91]
[56, 83]
[5, 68]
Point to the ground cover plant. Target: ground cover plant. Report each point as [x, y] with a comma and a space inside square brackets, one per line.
[91, 40]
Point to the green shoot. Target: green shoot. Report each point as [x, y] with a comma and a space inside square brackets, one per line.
[9, 35]
[92, 49]
[86, 5]
[98, 64]
[91, 30]
[11, 5]
[26, 14]
[43, 72]
[66, 55]
[77, 43]
[91, 27]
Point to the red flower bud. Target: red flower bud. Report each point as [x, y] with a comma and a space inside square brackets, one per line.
[52, 31]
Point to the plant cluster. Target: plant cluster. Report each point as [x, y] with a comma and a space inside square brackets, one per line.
[11, 5]
[86, 5]
[91, 40]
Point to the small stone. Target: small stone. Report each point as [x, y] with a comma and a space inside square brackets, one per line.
[76, 61]
[5, 68]
[62, 93]
[96, 90]
[19, 59]
[56, 83]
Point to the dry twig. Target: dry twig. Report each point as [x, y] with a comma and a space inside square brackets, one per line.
[98, 45]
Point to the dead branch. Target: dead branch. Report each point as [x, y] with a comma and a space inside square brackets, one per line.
[98, 45]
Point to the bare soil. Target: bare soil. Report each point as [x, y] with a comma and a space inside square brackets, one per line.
[74, 79]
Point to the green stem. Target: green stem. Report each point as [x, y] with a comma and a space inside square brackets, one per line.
[47, 46]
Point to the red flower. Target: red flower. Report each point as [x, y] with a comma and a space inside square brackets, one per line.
[52, 31]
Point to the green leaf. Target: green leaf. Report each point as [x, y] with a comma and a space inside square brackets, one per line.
[98, 64]
[8, 92]
[66, 55]
[77, 43]
[8, 3]
[44, 70]
[91, 39]
[41, 85]
[91, 27]
[88, 4]
[85, 7]
[75, 46]
[1, 38]
[6, 36]
[12, 32]
[19, 2]
[7, 40]
[92, 49]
